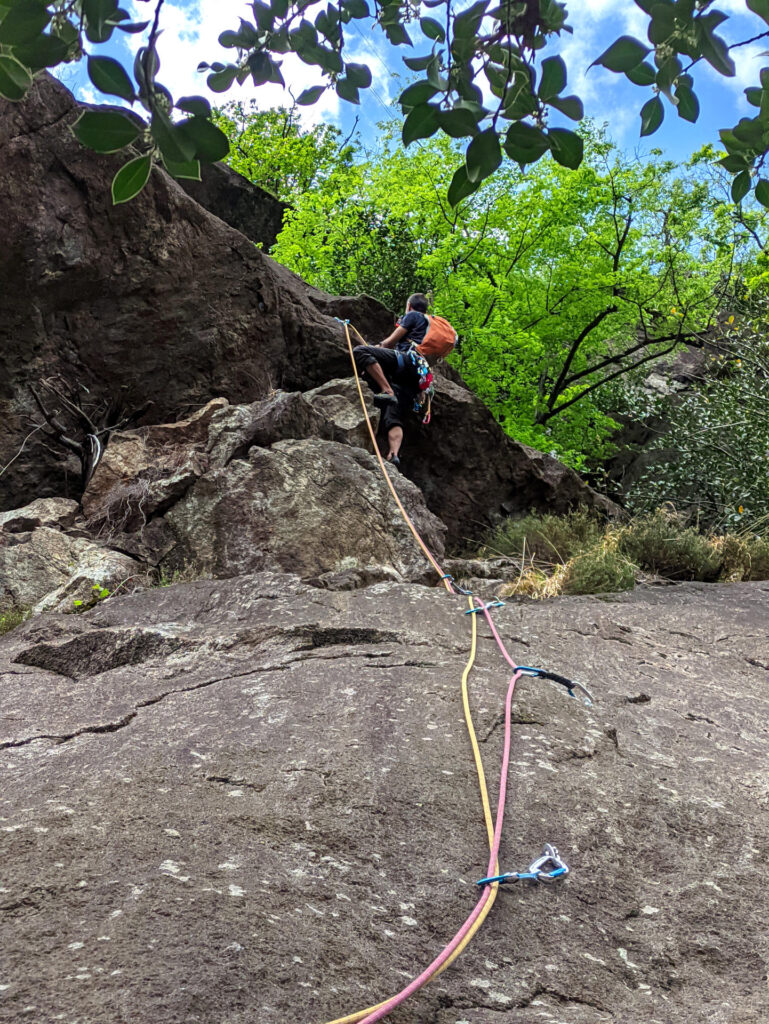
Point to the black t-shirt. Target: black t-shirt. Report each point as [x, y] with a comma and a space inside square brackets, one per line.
[416, 325]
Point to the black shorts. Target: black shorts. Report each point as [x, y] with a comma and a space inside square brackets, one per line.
[402, 375]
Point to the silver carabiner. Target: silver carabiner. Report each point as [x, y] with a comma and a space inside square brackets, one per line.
[550, 855]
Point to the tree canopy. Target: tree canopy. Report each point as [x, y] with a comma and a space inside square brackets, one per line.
[489, 77]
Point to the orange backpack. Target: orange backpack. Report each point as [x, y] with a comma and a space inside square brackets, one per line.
[439, 340]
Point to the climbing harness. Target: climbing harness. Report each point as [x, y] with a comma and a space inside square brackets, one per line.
[535, 871]
[493, 826]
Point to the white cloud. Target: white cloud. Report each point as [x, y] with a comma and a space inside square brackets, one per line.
[189, 36]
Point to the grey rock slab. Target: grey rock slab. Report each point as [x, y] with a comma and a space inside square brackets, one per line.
[286, 827]
[307, 506]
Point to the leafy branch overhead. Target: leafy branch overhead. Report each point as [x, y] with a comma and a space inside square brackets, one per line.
[488, 76]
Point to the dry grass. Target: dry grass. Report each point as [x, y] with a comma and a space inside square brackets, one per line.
[577, 554]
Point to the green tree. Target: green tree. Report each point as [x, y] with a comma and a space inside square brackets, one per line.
[271, 149]
[710, 458]
[505, 50]
[560, 282]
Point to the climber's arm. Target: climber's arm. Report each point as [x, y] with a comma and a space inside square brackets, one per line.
[395, 337]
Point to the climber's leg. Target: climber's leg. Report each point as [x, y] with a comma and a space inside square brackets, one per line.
[395, 440]
[373, 361]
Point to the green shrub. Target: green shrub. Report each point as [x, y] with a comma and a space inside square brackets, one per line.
[547, 538]
[11, 618]
[758, 552]
[602, 569]
[661, 543]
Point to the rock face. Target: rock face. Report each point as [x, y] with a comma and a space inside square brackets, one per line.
[43, 568]
[154, 300]
[308, 507]
[252, 211]
[160, 301]
[252, 800]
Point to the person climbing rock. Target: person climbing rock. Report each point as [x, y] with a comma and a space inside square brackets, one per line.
[397, 372]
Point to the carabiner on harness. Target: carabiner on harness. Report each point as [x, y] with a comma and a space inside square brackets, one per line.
[536, 870]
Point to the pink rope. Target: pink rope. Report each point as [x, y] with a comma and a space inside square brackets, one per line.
[425, 976]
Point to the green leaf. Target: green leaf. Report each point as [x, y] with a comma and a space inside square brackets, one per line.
[484, 155]
[571, 106]
[133, 27]
[553, 79]
[566, 146]
[44, 52]
[174, 143]
[397, 34]
[643, 74]
[762, 192]
[716, 53]
[210, 142]
[347, 91]
[356, 8]
[97, 14]
[109, 76]
[652, 114]
[461, 187]
[433, 29]
[458, 122]
[131, 179]
[197, 105]
[416, 94]
[421, 123]
[740, 186]
[418, 63]
[688, 105]
[23, 23]
[467, 23]
[759, 7]
[733, 164]
[311, 95]
[14, 78]
[754, 94]
[220, 81]
[359, 75]
[525, 144]
[663, 23]
[105, 131]
[230, 40]
[190, 169]
[624, 54]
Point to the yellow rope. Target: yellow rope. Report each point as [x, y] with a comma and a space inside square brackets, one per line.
[353, 1018]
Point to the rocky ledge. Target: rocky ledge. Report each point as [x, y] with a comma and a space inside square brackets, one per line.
[254, 800]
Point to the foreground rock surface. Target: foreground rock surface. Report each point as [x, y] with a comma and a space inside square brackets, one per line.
[254, 801]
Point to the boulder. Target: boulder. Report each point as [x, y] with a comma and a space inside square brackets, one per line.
[339, 402]
[472, 474]
[44, 569]
[57, 513]
[156, 300]
[309, 507]
[144, 471]
[253, 800]
[283, 415]
[249, 209]
[159, 301]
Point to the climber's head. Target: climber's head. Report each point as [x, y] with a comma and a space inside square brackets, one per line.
[417, 302]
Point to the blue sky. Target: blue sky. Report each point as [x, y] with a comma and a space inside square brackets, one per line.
[191, 28]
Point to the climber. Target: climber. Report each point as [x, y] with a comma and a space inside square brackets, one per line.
[398, 372]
